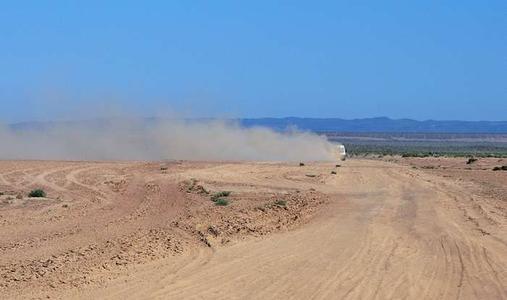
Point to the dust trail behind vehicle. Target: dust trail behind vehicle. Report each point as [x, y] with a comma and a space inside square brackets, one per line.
[136, 140]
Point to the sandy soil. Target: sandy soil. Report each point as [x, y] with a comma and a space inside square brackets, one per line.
[134, 230]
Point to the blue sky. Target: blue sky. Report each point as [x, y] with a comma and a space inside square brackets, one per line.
[347, 59]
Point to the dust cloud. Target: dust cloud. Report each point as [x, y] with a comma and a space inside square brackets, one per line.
[159, 140]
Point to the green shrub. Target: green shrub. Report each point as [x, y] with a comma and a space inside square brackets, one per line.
[281, 203]
[38, 193]
[222, 202]
[218, 195]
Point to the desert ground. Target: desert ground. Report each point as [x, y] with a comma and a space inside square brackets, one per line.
[417, 228]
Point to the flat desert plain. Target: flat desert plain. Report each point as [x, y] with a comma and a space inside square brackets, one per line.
[432, 228]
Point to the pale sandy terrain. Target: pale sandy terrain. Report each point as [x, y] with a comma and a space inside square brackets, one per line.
[374, 230]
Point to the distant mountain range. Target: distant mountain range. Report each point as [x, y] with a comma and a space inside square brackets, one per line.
[381, 124]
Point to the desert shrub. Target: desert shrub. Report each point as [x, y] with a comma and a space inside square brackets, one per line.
[222, 202]
[194, 187]
[37, 193]
[281, 203]
[225, 193]
[301, 164]
[200, 189]
[219, 195]
[333, 172]
[502, 168]
[338, 166]
[471, 160]
[311, 175]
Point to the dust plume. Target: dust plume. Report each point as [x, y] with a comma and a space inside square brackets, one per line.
[159, 140]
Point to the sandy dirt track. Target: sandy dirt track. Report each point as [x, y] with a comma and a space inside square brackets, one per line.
[375, 230]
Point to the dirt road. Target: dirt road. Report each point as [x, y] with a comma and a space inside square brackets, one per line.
[385, 231]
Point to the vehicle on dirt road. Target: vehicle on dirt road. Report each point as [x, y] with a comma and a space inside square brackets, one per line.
[342, 154]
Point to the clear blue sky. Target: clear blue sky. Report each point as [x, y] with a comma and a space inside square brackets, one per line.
[348, 59]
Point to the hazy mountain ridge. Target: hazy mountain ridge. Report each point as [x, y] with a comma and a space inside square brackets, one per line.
[380, 124]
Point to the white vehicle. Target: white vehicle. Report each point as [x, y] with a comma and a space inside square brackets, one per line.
[341, 152]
